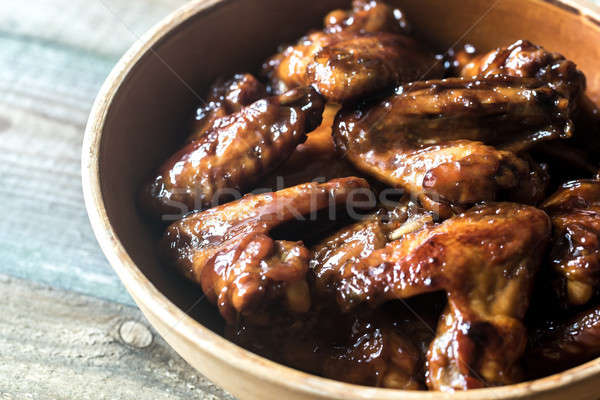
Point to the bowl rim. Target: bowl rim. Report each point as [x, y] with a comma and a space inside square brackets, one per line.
[153, 302]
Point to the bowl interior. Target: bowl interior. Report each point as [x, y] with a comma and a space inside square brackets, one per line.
[147, 117]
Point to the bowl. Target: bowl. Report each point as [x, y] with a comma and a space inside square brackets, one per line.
[138, 119]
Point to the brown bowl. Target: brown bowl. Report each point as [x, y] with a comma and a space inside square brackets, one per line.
[137, 119]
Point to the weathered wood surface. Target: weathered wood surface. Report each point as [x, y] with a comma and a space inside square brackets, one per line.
[60, 345]
[54, 55]
[54, 344]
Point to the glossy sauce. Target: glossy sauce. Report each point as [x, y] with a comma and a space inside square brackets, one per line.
[474, 276]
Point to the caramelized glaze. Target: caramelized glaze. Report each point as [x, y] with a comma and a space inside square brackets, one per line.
[422, 276]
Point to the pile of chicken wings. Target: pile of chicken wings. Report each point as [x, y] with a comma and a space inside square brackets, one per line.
[408, 220]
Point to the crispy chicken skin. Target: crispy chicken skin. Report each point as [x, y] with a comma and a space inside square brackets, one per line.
[431, 138]
[527, 60]
[560, 345]
[226, 97]
[232, 157]
[357, 54]
[227, 250]
[575, 256]
[485, 259]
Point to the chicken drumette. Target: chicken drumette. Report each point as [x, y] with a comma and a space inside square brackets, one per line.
[235, 154]
[227, 250]
[353, 57]
[575, 256]
[367, 16]
[434, 139]
[226, 97]
[559, 345]
[359, 240]
[377, 348]
[485, 259]
[527, 60]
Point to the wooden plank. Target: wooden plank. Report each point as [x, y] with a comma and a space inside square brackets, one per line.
[54, 56]
[45, 234]
[60, 345]
[102, 27]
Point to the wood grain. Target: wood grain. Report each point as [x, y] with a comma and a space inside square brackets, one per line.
[60, 345]
[54, 344]
[54, 56]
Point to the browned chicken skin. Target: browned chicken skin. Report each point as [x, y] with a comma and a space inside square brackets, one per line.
[429, 138]
[375, 348]
[485, 259]
[345, 65]
[575, 256]
[233, 156]
[314, 160]
[525, 59]
[359, 240]
[227, 250]
[367, 16]
[354, 56]
[564, 344]
[432, 288]
[226, 97]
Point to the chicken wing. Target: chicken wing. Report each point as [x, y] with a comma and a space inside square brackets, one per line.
[367, 16]
[527, 60]
[485, 259]
[314, 160]
[358, 53]
[226, 97]
[367, 348]
[230, 158]
[227, 250]
[345, 66]
[559, 345]
[575, 256]
[360, 239]
[429, 137]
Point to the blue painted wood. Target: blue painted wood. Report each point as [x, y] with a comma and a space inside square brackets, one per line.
[54, 55]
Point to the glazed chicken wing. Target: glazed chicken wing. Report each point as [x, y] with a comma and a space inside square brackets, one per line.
[564, 344]
[367, 16]
[360, 239]
[356, 55]
[575, 256]
[226, 97]
[431, 138]
[233, 156]
[525, 59]
[344, 65]
[485, 259]
[314, 160]
[366, 348]
[227, 250]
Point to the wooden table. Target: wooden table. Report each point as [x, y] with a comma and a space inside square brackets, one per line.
[68, 328]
